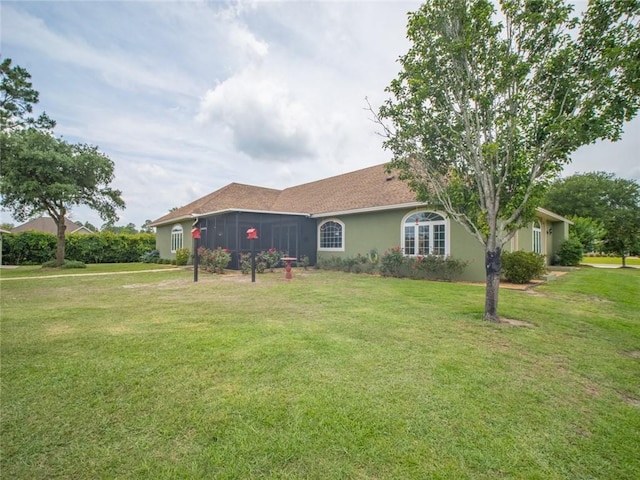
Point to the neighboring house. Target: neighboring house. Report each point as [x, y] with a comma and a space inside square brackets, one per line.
[48, 225]
[339, 216]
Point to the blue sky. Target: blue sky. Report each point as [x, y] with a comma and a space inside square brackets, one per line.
[186, 97]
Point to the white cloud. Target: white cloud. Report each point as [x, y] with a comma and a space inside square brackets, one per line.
[186, 97]
[265, 120]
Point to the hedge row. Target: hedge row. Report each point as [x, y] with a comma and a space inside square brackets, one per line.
[36, 248]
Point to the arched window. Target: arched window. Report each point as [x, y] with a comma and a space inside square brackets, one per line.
[331, 235]
[537, 237]
[176, 238]
[425, 233]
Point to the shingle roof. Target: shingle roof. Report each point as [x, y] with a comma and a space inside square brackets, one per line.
[48, 225]
[368, 188]
[233, 196]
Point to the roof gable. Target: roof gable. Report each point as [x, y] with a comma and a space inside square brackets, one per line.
[47, 225]
[233, 196]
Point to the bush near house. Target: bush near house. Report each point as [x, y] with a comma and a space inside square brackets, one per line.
[522, 267]
[571, 252]
[36, 248]
[182, 256]
[394, 263]
[214, 261]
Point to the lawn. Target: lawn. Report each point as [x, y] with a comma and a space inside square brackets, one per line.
[327, 376]
[612, 260]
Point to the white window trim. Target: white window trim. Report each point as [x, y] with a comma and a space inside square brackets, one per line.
[447, 230]
[177, 232]
[536, 228]
[344, 242]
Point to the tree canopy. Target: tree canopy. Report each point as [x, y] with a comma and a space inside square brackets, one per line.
[489, 105]
[41, 173]
[611, 202]
[17, 98]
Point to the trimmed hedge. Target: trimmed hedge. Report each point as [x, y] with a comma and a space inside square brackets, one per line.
[36, 248]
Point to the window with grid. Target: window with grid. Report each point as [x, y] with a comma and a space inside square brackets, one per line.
[331, 235]
[425, 233]
[537, 237]
[176, 238]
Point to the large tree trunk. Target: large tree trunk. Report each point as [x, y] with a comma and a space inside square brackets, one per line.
[493, 265]
[61, 241]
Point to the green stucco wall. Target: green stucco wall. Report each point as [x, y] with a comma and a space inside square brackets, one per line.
[163, 238]
[383, 230]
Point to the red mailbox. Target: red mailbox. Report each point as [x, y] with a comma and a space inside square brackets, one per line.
[252, 234]
[195, 232]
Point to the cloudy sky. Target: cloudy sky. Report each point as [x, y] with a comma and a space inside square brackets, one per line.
[186, 97]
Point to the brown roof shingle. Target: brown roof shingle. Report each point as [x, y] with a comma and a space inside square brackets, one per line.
[367, 188]
[47, 225]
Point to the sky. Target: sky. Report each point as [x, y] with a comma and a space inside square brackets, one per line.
[187, 97]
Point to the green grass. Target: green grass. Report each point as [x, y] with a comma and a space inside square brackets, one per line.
[330, 375]
[92, 268]
[611, 260]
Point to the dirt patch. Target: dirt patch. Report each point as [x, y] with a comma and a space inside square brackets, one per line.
[632, 354]
[117, 329]
[57, 330]
[516, 323]
[634, 402]
[593, 390]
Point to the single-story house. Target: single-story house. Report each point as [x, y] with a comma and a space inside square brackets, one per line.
[344, 215]
[49, 225]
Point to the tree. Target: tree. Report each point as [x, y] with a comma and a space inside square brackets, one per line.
[488, 107]
[90, 226]
[588, 231]
[128, 229]
[613, 203]
[17, 98]
[145, 228]
[41, 173]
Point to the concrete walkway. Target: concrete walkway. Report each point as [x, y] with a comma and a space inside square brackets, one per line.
[89, 274]
[608, 265]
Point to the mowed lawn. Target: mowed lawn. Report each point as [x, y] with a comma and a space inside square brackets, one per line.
[327, 376]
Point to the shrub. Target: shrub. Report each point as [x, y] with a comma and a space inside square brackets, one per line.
[150, 257]
[271, 258]
[28, 248]
[214, 261]
[182, 256]
[391, 262]
[570, 252]
[304, 262]
[36, 248]
[522, 267]
[245, 263]
[329, 263]
[66, 264]
[434, 267]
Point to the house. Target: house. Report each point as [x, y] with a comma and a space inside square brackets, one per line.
[48, 225]
[339, 216]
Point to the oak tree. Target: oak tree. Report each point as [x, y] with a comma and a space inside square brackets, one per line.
[41, 173]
